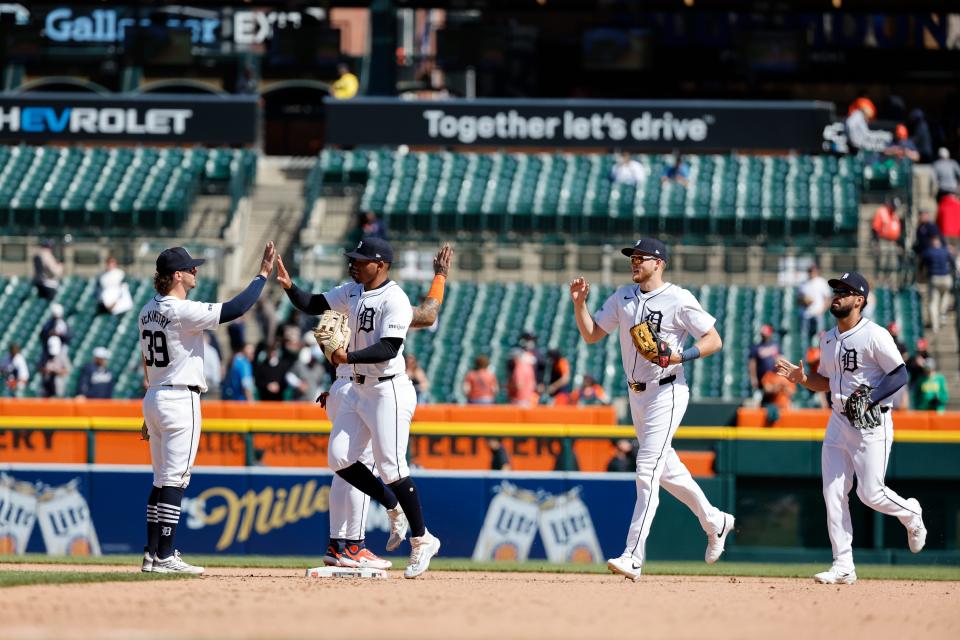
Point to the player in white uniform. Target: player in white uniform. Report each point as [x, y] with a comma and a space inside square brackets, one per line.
[658, 396]
[377, 405]
[171, 341]
[349, 506]
[857, 351]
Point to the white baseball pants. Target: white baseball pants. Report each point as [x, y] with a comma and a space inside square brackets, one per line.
[656, 415]
[172, 415]
[847, 452]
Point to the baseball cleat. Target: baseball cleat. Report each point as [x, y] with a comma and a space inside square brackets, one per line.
[398, 527]
[148, 560]
[717, 541]
[916, 531]
[422, 550]
[359, 557]
[334, 555]
[627, 566]
[836, 576]
[175, 564]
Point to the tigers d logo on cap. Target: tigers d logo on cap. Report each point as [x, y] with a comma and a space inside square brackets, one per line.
[372, 249]
[647, 246]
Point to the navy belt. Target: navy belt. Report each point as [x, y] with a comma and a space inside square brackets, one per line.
[191, 387]
[363, 379]
[639, 387]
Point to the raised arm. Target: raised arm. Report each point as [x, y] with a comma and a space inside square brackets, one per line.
[314, 304]
[425, 314]
[589, 330]
[241, 303]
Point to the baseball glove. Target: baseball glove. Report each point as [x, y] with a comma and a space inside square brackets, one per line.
[332, 332]
[858, 410]
[649, 345]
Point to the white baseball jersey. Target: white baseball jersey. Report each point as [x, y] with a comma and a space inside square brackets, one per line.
[863, 355]
[384, 312]
[171, 339]
[672, 310]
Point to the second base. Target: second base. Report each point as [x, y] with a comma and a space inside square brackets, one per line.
[345, 572]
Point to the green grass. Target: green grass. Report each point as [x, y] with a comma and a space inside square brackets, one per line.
[14, 578]
[739, 569]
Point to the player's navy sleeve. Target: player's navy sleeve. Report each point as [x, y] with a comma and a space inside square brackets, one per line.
[314, 304]
[386, 349]
[890, 384]
[233, 309]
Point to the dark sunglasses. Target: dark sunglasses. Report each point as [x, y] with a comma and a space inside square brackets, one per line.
[843, 293]
[191, 271]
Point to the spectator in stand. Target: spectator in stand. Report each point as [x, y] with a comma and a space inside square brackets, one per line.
[421, 383]
[927, 230]
[47, 271]
[902, 146]
[938, 262]
[265, 313]
[212, 364]
[55, 368]
[777, 395]
[522, 383]
[371, 226]
[812, 356]
[528, 342]
[930, 392]
[763, 356]
[887, 231]
[308, 376]
[860, 137]
[628, 171]
[560, 382]
[948, 219]
[114, 293]
[625, 458]
[237, 334]
[589, 392]
[947, 172]
[894, 330]
[239, 383]
[814, 296]
[57, 326]
[920, 134]
[480, 385]
[270, 372]
[347, 84]
[678, 172]
[96, 380]
[915, 362]
[14, 369]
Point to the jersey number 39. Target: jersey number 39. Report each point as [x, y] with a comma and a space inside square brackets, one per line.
[156, 344]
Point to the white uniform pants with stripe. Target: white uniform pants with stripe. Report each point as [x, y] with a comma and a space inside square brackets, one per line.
[349, 507]
[656, 415]
[847, 452]
[172, 415]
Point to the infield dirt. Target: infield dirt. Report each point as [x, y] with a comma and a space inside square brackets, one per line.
[281, 603]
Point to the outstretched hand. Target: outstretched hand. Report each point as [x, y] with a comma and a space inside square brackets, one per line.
[579, 289]
[282, 276]
[792, 372]
[441, 262]
[269, 257]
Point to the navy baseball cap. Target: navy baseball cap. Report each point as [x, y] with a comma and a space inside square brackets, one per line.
[176, 259]
[853, 281]
[372, 249]
[649, 246]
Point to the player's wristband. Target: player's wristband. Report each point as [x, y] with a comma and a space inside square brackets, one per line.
[436, 289]
[690, 354]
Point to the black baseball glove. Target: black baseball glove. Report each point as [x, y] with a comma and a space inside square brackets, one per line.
[859, 411]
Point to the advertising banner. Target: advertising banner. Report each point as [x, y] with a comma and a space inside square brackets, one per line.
[560, 517]
[653, 124]
[169, 119]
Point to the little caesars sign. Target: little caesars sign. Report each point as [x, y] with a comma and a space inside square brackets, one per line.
[663, 125]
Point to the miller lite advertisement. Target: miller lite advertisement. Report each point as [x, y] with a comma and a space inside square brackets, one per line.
[62, 512]
[18, 513]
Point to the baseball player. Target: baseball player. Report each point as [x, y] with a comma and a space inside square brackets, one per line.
[666, 314]
[171, 341]
[371, 404]
[861, 368]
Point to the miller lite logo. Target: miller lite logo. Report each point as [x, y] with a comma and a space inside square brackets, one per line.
[849, 360]
[655, 319]
[365, 320]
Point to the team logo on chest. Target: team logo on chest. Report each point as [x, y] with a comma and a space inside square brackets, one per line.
[365, 320]
[849, 360]
[655, 319]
